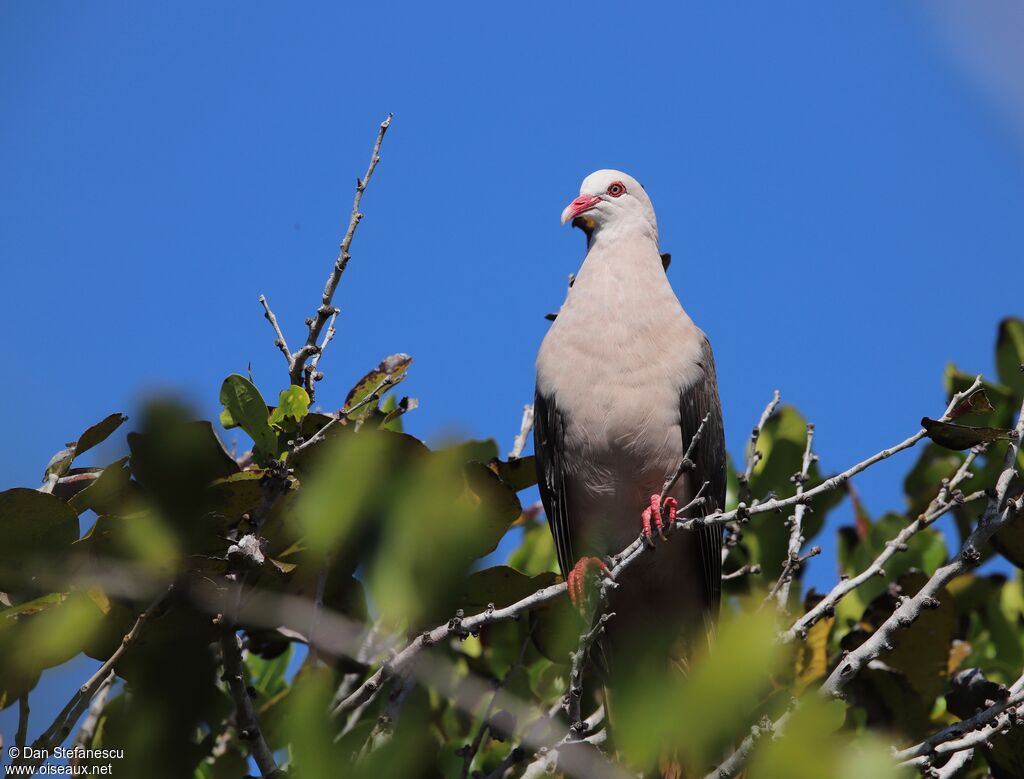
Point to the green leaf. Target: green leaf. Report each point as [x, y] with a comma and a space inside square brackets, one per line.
[268, 675]
[958, 437]
[520, 473]
[248, 409]
[536, 554]
[98, 433]
[389, 372]
[1000, 397]
[34, 527]
[293, 404]
[1010, 354]
[501, 586]
[923, 482]
[109, 493]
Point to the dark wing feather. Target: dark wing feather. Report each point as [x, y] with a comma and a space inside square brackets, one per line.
[547, 445]
[697, 401]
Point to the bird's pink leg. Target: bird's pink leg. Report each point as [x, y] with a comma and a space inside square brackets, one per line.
[654, 512]
[577, 579]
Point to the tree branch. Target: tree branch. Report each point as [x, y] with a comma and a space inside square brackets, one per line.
[753, 455]
[998, 513]
[967, 733]
[61, 726]
[524, 433]
[23, 711]
[280, 341]
[796, 530]
[299, 372]
[245, 712]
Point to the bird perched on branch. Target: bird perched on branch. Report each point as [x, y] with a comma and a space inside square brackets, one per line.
[624, 379]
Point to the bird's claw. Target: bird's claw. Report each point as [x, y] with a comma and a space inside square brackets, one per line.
[656, 513]
[576, 581]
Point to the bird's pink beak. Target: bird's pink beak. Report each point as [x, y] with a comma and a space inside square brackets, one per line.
[580, 205]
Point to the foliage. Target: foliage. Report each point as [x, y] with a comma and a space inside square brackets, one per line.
[356, 519]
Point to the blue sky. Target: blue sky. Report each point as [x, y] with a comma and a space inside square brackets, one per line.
[840, 187]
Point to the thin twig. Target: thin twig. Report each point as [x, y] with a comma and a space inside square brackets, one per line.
[524, 433]
[687, 463]
[23, 711]
[245, 712]
[796, 529]
[967, 733]
[280, 341]
[85, 733]
[742, 511]
[470, 750]
[939, 506]
[61, 726]
[326, 309]
[998, 513]
[739, 573]
[955, 764]
[328, 337]
[753, 455]
[574, 695]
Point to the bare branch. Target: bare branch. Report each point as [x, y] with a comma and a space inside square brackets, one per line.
[85, 733]
[315, 375]
[967, 733]
[939, 506]
[687, 463]
[245, 712]
[470, 750]
[742, 511]
[955, 764]
[753, 455]
[739, 573]
[61, 726]
[998, 513]
[574, 695]
[326, 309]
[524, 433]
[21, 736]
[280, 341]
[796, 530]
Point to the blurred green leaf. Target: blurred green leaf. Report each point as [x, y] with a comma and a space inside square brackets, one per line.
[926, 550]
[1010, 354]
[722, 685]
[536, 553]
[268, 676]
[248, 410]
[924, 480]
[520, 473]
[112, 492]
[34, 527]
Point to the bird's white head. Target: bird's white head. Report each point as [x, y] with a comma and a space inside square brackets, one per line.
[613, 200]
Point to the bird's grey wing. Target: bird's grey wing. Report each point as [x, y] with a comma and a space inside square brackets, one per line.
[548, 431]
[700, 400]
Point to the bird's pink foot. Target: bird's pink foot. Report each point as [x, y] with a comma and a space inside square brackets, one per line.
[577, 579]
[656, 512]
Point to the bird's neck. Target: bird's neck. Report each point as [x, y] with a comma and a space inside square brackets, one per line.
[625, 230]
[621, 273]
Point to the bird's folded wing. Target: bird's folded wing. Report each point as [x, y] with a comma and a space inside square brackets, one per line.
[697, 401]
[548, 430]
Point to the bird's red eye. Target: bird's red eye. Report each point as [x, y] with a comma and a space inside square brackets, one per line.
[616, 189]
